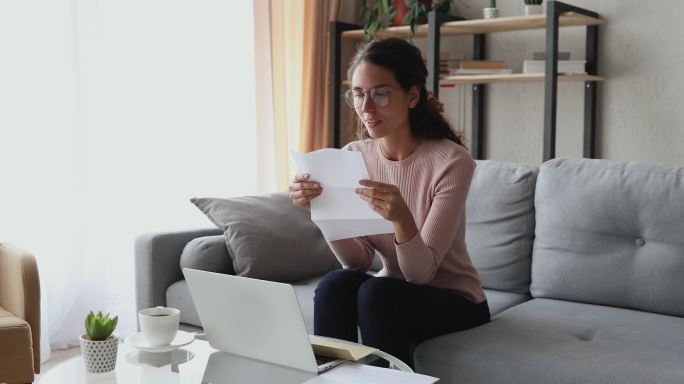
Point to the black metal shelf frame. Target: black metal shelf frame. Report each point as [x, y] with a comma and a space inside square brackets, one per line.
[435, 20]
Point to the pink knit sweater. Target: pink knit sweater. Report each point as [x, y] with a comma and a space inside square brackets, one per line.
[434, 181]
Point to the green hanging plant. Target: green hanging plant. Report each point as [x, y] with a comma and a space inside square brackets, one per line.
[377, 15]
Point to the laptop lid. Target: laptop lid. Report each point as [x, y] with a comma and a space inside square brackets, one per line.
[224, 368]
[254, 318]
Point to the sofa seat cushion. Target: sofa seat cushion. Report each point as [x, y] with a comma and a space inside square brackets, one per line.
[305, 295]
[552, 341]
[16, 349]
[500, 301]
[178, 296]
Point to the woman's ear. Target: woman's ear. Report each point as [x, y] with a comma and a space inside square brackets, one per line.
[414, 96]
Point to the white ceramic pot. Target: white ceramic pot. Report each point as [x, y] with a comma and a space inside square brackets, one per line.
[491, 13]
[533, 10]
[99, 356]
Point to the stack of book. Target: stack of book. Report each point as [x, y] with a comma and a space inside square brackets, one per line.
[565, 65]
[446, 63]
[480, 67]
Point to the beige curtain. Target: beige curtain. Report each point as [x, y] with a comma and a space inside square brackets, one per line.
[317, 17]
[299, 59]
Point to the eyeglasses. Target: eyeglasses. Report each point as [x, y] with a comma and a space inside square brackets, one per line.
[379, 95]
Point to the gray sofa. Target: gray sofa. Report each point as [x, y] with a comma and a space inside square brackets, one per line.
[582, 262]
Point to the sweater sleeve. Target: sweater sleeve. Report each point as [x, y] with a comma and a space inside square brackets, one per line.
[419, 258]
[353, 253]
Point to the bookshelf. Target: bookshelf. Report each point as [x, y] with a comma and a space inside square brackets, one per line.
[513, 78]
[558, 15]
[471, 27]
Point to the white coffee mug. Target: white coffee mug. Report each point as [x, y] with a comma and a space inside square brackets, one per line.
[159, 325]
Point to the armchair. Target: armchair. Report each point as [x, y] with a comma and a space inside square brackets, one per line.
[19, 315]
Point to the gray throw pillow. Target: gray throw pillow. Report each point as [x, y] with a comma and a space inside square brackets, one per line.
[208, 253]
[269, 237]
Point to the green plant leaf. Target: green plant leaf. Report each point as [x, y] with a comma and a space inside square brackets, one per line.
[100, 327]
[88, 323]
[408, 17]
[384, 5]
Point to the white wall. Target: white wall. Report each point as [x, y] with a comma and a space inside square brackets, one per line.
[639, 113]
[113, 114]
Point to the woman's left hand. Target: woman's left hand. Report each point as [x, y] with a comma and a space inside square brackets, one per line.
[385, 199]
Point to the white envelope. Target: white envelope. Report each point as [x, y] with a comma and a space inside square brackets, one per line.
[339, 212]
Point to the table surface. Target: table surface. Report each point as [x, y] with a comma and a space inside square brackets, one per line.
[196, 363]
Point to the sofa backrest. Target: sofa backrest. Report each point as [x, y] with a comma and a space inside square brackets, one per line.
[610, 232]
[500, 224]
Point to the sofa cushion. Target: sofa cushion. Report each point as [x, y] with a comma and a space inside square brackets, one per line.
[16, 349]
[610, 232]
[500, 224]
[305, 296]
[208, 253]
[499, 301]
[178, 296]
[269, 237]
[552, 341]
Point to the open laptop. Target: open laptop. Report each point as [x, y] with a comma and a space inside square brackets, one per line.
[253, 318]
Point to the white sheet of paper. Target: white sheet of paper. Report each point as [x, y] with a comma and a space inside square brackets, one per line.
[339, 212]
[352, 373]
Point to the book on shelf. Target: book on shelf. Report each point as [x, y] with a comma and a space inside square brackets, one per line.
[564, 66]
[324, 346]
[482, 64]
[475, 71]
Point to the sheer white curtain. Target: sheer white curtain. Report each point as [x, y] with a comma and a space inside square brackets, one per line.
[113, 114]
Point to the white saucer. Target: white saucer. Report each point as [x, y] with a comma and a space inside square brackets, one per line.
[182, 338]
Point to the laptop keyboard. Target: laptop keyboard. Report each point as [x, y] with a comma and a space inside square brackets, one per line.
[327, 363]
[320, 360]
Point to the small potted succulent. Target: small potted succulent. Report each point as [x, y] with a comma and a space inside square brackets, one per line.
[98, 345]
[533, 7]
[492, 12]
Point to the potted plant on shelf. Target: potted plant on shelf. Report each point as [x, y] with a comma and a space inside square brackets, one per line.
[98, 345]
[492, 12]
[380, 14]
[533, 7]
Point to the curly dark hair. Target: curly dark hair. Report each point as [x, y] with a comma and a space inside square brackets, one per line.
[406, 63]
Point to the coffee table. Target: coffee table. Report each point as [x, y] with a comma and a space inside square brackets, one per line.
[196, 363]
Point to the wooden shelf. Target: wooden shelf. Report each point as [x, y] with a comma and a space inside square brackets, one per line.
[514, 23]
[513, 78]
[470, 27]
[400, 32]
[508, 78]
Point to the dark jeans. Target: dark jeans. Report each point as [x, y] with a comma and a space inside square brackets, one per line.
[392, 314]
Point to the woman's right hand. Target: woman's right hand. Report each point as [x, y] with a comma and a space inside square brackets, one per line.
[303, 190]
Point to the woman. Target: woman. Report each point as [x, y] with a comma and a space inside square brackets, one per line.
[420, 174]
